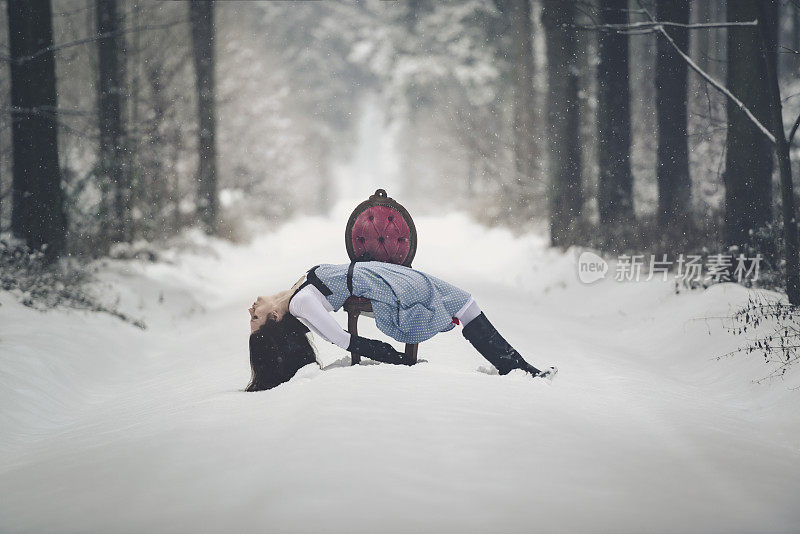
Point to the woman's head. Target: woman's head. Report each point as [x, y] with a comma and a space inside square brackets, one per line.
[277, 350]
[266, 309]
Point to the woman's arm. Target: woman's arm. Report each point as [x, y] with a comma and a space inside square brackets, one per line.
[305, 305]
[308, 305]
[300, 281]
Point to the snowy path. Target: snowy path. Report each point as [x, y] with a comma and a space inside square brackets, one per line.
[109, 429]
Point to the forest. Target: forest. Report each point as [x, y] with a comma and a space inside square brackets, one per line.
[615, 180]
[134, 120]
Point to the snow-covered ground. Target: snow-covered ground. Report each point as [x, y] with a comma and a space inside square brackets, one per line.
[108, 428]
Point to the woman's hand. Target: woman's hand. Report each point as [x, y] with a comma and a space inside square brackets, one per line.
[373, 349]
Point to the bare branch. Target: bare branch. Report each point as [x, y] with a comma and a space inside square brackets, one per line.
[717, 85]
[652, 24]
[56, 48]
[794, 130]
[784, 100]
[47, 111]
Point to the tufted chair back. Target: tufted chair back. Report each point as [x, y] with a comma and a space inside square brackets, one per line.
[382, 227]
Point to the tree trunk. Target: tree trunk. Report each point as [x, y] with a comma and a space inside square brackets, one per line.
[748, 156]
[2, 189]
[701, 13]
[37, 199]
[202, 21]
[525, 148]
[767, 26]
[132, 144]
[413, 168]
[720, 43]
[672, 167]
[796, 35]
[563, 120]
[117, 197]
[785, 30]
[615, 183]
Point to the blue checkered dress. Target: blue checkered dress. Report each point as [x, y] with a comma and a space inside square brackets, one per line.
[409, 306]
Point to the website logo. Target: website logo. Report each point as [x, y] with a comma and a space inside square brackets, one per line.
[591, 267]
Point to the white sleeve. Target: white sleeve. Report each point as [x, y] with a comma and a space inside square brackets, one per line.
[307, 308]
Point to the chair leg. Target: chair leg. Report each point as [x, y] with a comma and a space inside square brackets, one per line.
[411, 353]
[352, 327]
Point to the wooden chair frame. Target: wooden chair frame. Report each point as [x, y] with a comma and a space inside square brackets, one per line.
[355, 306]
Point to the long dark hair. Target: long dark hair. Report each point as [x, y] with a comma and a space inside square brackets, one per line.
[277, 350]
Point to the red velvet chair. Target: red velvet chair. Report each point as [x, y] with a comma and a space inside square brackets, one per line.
[382, 227]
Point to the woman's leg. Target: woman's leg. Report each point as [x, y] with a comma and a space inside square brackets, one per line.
[468, 312]
[487, 340]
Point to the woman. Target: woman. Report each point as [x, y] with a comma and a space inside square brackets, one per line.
[408, 305]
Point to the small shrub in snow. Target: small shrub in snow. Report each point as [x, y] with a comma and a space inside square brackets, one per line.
[772, 328]
[40, 285]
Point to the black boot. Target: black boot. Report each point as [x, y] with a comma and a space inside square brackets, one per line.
[488, 341]
[376, 350]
